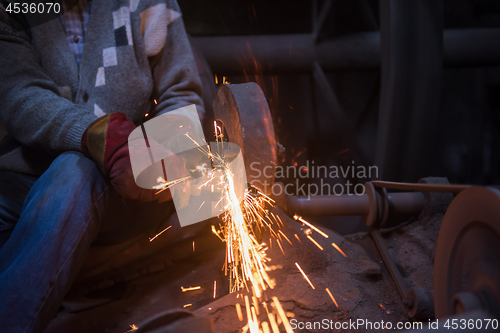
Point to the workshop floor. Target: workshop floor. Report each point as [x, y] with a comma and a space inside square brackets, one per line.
[360, 284]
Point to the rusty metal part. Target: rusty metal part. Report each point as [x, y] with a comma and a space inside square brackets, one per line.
[467, 258]
[422, 187]
[244, 111]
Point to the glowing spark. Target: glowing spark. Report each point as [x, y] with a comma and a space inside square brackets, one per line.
[280, 221]
[315, 243]
[331, 296]
[215, 288]
[255, 304]
[186, 305]
[133, 328]
[193, 246]
[265, 327]
[190, 288]
[284, 319]
[147, 114]
[273, 323]
[304, 275]
[156, 102]
[158, 234]
[201, 206]
[296, 217]
[279, 244]
[297, 238]
[165, 185]
[338, 249]
[238, 311]
[216, 81]
[281, 232]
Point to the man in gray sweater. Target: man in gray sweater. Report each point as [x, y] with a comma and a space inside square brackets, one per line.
[95, 72]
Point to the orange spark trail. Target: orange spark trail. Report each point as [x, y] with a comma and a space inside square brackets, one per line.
[297, 238]
[331, 296]
[304, 275]
[238, 311]
[281, 232]
[158, 234]
[296, 217]
[283, 317]
[315, 243]
[338, 249]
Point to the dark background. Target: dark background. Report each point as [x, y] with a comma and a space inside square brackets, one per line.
[456, 137]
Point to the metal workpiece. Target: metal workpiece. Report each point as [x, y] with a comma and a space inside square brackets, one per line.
[375, 205]
[329, 205]
[245, 114]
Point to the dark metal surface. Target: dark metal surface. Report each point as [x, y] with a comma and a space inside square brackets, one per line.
[245, 113]
[442, 188]
[411, 64]
[467, 257]
[296, 53]
[418, 304]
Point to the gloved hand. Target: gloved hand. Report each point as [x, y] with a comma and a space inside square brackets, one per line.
[105, 141]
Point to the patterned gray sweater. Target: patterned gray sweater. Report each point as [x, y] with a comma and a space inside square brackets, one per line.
[135, 52]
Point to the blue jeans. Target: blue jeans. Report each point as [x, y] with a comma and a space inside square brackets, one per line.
[47, 225]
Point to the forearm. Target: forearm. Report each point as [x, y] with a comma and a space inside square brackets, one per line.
[176, 78]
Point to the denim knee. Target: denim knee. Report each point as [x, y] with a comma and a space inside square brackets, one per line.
[75, 170]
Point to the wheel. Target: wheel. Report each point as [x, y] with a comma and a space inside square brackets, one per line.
[467, 258]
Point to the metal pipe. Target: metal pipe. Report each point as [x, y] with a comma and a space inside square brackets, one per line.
[297, 52]
[405, 203]
[352, 205]
[329, 205]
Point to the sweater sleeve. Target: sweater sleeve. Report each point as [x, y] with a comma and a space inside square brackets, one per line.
[31, 108]
[176, 79]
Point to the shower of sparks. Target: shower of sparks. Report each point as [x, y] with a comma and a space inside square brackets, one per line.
[158, 234]
[315, 243]
[338, 249]
[304, 275]
[296, 217]
[331, 296]
[246, 263]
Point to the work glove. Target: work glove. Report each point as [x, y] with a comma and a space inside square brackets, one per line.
[105, 141]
